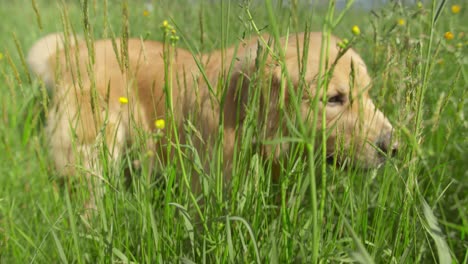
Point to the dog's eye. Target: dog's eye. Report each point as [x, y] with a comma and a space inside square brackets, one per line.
[336, 99]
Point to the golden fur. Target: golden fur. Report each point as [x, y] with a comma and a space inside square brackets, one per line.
[86, 112]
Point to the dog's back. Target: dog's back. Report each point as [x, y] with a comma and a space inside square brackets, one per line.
[42, 51]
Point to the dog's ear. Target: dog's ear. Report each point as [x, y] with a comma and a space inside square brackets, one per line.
[273, 103]
[259, 95]
[237, 97]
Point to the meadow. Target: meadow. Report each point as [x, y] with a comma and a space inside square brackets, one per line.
[413, 209]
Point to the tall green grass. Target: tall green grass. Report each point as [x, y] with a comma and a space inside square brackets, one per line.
[411, 210]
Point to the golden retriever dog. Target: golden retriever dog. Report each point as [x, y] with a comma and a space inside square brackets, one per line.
[87, 80]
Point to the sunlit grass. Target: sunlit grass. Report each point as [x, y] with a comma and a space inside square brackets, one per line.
[411, 210]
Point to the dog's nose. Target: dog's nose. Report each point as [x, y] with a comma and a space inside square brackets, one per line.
[388, 145]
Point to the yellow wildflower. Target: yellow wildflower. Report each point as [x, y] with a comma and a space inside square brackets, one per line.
[448, 35]
[160, 124]
[123, 100]
[356, 30]
[1, 56]
[455, 9]
[401, 22]
[165, 24]
[146, 13]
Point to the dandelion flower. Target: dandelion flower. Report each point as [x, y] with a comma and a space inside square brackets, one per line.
[455, 9]
[356, 30]
[160, 124]
[448, 35]
[401, 22]
[146, 13]
[123, 100]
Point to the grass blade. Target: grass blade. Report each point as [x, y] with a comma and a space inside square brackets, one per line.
[432, 227]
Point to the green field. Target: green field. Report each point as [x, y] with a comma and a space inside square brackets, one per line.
[411, 210]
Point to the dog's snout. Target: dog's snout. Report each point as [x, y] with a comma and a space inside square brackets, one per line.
[388, 145]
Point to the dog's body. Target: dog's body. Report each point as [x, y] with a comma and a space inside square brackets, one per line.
[86, 111]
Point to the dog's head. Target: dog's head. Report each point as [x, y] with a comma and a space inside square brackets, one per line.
[357, 130]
